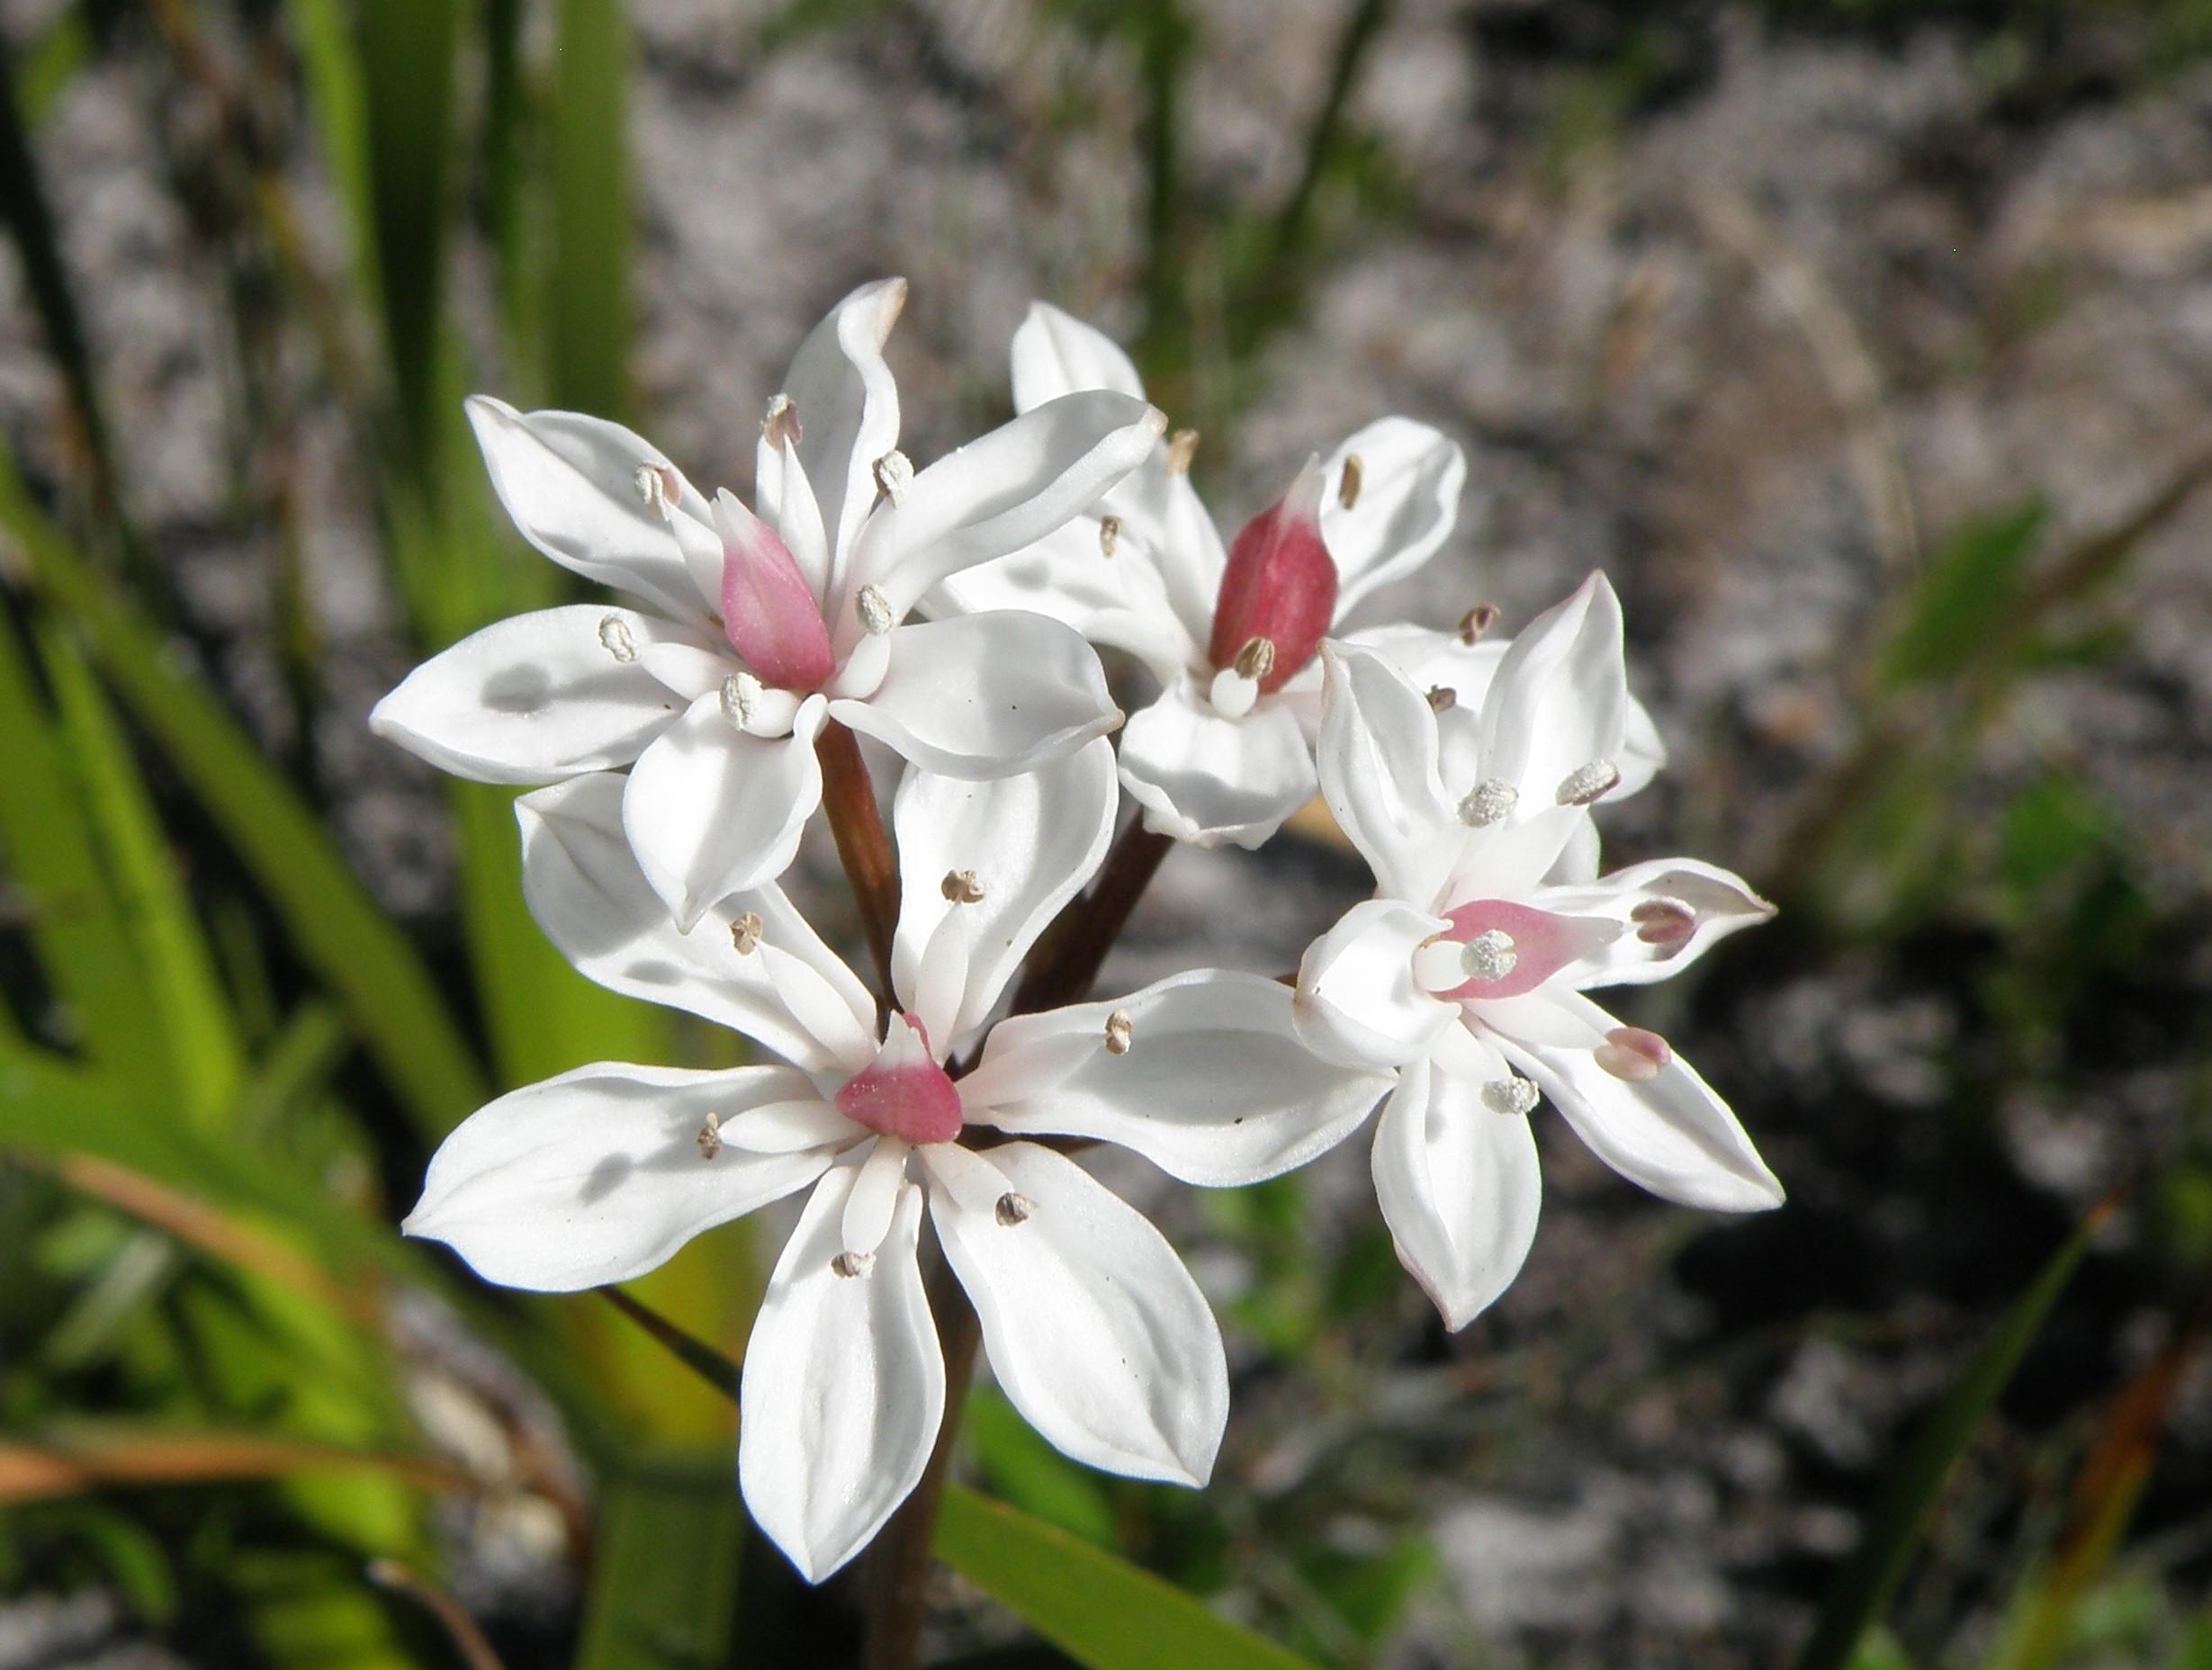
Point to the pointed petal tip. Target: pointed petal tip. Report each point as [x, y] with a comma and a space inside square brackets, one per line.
[1154, 420]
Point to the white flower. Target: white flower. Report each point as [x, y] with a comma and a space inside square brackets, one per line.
[1092, 1324]
[1467, 970]
[768, 626]
[1226, 753]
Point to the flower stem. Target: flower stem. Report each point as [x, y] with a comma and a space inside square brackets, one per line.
[899, 1562]
[1077, 943]
[862, 846]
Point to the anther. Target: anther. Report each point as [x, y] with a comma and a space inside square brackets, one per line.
[875, 611]
[1256, 659]
[961, 887]
[710, 1137]
[1633, 1054]
[745, 933]
[1511, 1096]
[740, 698]
[1348, 489]
[1478, 621]
[851, 1264]
[893, 475]
[1662, 922]
[1109, 535]
[1488, 801]
[1014, 1208]
[1181, 446]
[1490, 955]
[780, 426]
[659, 486]
[615, 640]
[1443, 698]
[1120, 1033]
[1587, 783]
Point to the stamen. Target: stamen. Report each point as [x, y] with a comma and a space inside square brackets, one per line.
[1443, 698]
[660, 487]
[615, 640]
[710, 1137]
[851, 1264]
[1109, 535]
[1348, 489]
[745, 933]
[1633, 1055]
[740, 698]
[1256, 659]
[780, 426]
[1511, 1096]
[875, 611]
[1490, 955]
[1120, 1033]
[1180, 447]
[1014, 1208]
[961, 887]
[1478, 621]
[1587, 783]
[893, 475]
[1488, 801]
[1662, 922]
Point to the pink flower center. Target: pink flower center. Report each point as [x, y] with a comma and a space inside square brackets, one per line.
[1524, 946]
[904, 1092]
[769, 611]
[1280, 584]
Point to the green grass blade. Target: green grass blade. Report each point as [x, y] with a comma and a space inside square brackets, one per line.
[330, 64]
[588, 315]
[189, 1009]
[664, 1584]
[353, 945]
[1870, 1576]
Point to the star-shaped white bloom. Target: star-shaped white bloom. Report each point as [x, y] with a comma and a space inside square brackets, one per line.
[1467, 970]
[1093, 1326]
[769, 625]
[1225, 752]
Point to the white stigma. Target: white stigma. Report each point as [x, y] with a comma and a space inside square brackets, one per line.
[1490, 955]
[740, 698]
[660, 487]
[615, 640]
[1014, 1208]
[875, 611]
[893, 475]
[1120, 1033]
[1511, 1096]
[1232, 694]
[851, 1264]
[1488, 801]
[1587, 783]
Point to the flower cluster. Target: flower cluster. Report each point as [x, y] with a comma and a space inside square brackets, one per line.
[950, 614]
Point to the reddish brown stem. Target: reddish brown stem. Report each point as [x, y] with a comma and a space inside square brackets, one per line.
[1075, 945]
[862, 846]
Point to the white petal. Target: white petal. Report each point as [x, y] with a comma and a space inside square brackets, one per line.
[536, 697]
[1216, 1087]
[712, 810]
[1055, 353]
[1206, 779]
[1716, 902]
[1095, 1329]
[1560, 698]
[844, 1387]
[848, 408]
[982, 695]
[1358, 1001]
[570, 484]
[1459, 1186]
[597, 1176]
[586, 891]
[785, 499]
[1001, 492]
[1410, 479]
[878, 1186]
[1378, 767]
[1671, 1135]
[1031, 840]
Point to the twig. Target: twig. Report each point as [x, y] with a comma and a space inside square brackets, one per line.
[1075, 945]
[467, 1638]
[722, 1372]
[862, 846]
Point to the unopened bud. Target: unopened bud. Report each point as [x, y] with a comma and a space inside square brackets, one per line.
[893, 475]
[1633, 1055]
[875, 612]
[615, 640]
[961, 887]
[745, 933]
[1120, 1033]
[1588, 783]
[1109, 535]
[1182, 447]
[1478, 621]
[1014, 1208]
[1348, 488]
[780, 426]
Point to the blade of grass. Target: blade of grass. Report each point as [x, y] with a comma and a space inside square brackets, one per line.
[664, 1581]
[588, 316]
[69, 1463]
[352, 945]
[1863, 1585]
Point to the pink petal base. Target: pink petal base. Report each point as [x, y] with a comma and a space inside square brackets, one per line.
[904, 1092]
[1542, 944]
